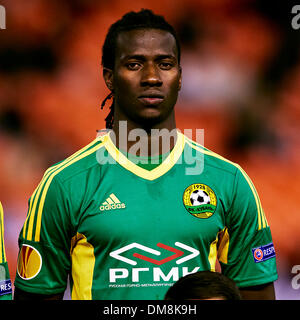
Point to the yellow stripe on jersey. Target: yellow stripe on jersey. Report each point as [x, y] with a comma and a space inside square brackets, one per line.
[223, 245]
[2, 248]
[29, 215]
[47, 185]
[83, 263]
[1, 234]
[212, 256]
[262, 222]
[36, 193]
[41, 190]
[157, 172]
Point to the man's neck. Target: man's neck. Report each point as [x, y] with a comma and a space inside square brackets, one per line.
[153, 141]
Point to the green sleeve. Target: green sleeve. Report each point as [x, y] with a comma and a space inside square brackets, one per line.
[45, 239]
[248, 254]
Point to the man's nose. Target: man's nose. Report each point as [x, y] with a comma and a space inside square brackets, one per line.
[151, 76]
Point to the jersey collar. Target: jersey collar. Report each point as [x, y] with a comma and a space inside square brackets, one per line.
[160, 170]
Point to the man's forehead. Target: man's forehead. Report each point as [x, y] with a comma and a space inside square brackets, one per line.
[145, 41]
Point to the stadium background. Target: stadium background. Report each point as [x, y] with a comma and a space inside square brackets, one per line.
[241, 84]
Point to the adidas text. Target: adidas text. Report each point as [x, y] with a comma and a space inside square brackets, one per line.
[113, 206]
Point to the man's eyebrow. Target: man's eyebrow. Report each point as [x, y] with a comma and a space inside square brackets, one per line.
[165, 56]
[134, 57]
[142, 57]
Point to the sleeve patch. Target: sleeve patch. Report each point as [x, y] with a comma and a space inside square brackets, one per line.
[5, 287]
[263, 253]
[29, 262]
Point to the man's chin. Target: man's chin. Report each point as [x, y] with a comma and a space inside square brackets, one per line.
[150, 119]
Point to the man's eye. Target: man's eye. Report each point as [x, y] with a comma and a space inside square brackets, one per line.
[166, 65]
[133, 66]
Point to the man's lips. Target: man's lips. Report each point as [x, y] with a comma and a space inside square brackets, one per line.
[151, 100]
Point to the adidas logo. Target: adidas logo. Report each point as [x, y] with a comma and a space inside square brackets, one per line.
[112, 203]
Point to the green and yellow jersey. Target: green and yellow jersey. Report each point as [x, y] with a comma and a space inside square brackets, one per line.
[122, 231]
[5, 282]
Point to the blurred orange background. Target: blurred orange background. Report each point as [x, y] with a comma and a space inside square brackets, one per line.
[241, 84]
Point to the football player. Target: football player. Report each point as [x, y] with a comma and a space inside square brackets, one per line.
[126, 221]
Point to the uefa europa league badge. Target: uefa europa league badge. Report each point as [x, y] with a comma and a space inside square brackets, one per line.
[200, 200]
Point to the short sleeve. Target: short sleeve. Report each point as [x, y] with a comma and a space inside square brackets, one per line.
[44, 241]
[5, 282]
[246, 251]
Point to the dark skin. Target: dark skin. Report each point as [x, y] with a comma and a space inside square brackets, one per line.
[147, 68]
[261, 292]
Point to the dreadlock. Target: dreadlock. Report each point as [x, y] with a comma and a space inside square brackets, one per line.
[144, 19]
[109, 120]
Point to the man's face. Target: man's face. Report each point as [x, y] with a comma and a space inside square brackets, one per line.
[146, 77]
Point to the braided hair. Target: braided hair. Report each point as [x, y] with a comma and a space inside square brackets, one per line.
[144, 19]
[109, 120]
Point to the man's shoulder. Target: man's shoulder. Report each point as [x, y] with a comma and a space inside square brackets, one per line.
[213, 159]
[79, 162]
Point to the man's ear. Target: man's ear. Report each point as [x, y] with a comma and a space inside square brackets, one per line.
[180, 78]
[108, 78]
